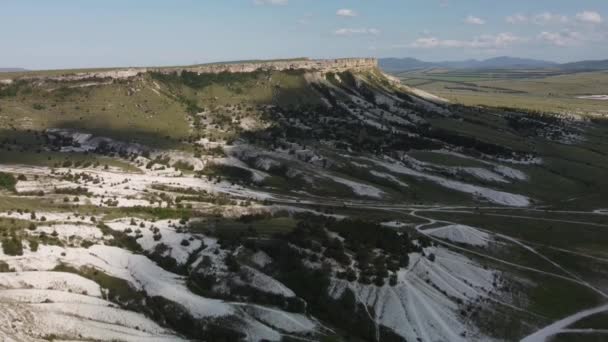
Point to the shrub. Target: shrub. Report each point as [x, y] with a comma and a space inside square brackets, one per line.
[78, 191]
[33, 245]
[12, 246]
[4, 267]
[7, 181]
[393, 280]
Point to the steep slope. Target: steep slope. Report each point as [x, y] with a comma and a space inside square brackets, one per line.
[290, 200]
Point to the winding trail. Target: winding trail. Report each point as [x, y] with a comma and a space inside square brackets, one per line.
[559, 326]
[544, 333]
[432, 221]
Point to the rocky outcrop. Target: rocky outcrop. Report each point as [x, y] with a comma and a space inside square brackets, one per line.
[325, 65]
[320, 65]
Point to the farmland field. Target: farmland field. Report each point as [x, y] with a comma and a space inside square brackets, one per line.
[542, 90]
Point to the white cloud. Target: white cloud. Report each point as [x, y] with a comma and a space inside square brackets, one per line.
[356, 31]
[474, 20]
[345, 12]
[498, 41]
[549, 18]
[305, 19]
[544, 18]
[589, 17]
[270, 2]
[562, 38]
[517, 19]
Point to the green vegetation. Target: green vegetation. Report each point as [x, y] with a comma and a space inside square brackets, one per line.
[362, 239]
[266, 226]
[35, 157]
[228, 172]
[120, 239]
[557, 298]
[323, 158]
[12, 245]
[4, 267]
[541, 230]
[201, 81]
[7, 181]
[106, 110]
[548, 91]
[559, 239]
[148, 213]
[597, 321]
[231, 232]
[119, 290]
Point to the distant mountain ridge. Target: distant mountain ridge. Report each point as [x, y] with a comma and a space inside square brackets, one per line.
[586, 65]
[501, 62]
[408, 63]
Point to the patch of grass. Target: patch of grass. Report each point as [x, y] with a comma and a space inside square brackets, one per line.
[55, 159]
[266, 226]
[148, 212]
[565, 235]
[578, 337]
[556, 298]
[119, 290]
[120, 239]
[29, 203]
[597, 321]
[112, 110]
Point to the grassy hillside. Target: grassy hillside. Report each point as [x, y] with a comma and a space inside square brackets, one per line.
[281, 196]
[324, 115]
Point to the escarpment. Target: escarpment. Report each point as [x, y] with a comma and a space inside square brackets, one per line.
[319, 65]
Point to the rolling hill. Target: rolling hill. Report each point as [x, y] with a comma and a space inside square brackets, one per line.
[404, 64]
[294, 200]
[586, 65]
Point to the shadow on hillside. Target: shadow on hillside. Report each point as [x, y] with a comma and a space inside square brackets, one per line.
[134, 135]
[17, 146]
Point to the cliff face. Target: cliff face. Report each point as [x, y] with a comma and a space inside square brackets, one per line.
[321, 65]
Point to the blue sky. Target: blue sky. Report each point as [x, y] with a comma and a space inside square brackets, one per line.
[77, 33]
